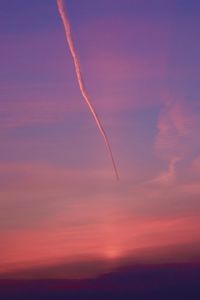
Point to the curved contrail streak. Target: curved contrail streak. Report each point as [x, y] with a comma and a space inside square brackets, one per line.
[67, 27]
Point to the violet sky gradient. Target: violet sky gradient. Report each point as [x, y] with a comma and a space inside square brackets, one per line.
[59, 200]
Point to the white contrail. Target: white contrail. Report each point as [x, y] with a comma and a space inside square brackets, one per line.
[66, 23]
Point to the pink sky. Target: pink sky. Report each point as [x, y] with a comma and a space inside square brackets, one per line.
[59, 200]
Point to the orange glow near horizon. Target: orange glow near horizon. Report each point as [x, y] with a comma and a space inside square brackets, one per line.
[50, 245]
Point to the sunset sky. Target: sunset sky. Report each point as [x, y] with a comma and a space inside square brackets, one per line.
[59, 199]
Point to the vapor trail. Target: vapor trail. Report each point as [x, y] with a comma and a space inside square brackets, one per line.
[67, 27]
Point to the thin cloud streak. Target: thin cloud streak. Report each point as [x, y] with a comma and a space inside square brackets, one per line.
[84, 93]
[169, 176]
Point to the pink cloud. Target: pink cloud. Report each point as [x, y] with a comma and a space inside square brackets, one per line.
[177, 125]
[169, 176]
[177, 128]
[174, 127]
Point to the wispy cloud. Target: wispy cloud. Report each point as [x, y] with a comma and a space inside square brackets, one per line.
[176, 134]
[174, 127]
[168, 176]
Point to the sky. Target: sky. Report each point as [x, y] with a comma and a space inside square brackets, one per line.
[60, 202]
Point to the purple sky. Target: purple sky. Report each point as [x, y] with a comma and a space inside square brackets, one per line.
[59, 199]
